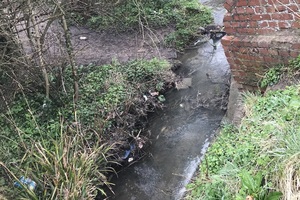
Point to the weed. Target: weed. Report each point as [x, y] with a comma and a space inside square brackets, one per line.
[69, 167]
[252, 185]
[271, 77]
[259, 158]
[288, 72]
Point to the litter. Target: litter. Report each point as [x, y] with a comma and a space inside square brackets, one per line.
[127, 152]
[82, 38]
[25, 181]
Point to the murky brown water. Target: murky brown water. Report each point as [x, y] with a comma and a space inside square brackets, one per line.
[181, 132]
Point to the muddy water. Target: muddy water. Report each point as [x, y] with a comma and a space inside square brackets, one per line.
[181, 132]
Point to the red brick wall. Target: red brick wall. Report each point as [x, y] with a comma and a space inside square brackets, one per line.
[260, 34]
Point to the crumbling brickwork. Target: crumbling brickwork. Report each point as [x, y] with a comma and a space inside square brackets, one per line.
[260, 34]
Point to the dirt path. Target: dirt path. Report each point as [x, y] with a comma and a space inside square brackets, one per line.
[101, 47]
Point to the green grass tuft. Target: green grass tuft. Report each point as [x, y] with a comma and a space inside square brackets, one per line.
[258, 159]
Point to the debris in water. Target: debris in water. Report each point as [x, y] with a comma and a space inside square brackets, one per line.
[130, 159]
[127, 152]
[161, 98]
[184, 84]
[154, 93]
[145, 97]
[83, 38]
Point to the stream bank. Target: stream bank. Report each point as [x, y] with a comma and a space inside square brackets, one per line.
[181, 132]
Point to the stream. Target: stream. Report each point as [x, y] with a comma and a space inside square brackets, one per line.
[181, 132]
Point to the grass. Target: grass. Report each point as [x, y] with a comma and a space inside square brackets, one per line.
[69, 169]
[261, 157]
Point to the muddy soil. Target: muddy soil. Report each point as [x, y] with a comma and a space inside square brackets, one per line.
[102, 47]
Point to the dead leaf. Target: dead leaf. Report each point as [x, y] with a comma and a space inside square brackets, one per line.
[249, 198]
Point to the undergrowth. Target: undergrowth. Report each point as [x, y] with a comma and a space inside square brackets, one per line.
[68, 156]
[186, 16]
[275, 74]
[258, 158]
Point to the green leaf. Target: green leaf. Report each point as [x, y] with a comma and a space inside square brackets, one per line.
[295, 103]
[274, 196]
[161, 98]
[257, 180]
[247, 181]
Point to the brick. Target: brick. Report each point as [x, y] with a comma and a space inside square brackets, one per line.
[226, 48]
[294, 54]
[241, 3]
[227, 18]
[271, 60]
[281, 8]
[256, 3]
[239, 61]
[284, 53]
[235, 50]
[273, 24]
[226, 24]
[236, 42]
[282, 16]
[226, 40]
[230, 2]
[249, 10]
[273, 52]
[227, 7]
[271, 9]
[230, 61]
[296, 46]
[282, 45]
[244, 57]
[263, 24]
[241, 10]
[293, 8]
[253, 24]
[284, 25]
[295, 24]
[246, 42]
[248, 24]
[260, 10]
[243, 50]
[263, 51]
[234, 67]
[261, 17]
[235, 24]
[282, 1]
[265, 31]
[244, 24]
[263, 44]
[242, 74]
[227, 54]
[249, 31]
[241, 17]
[230, 30]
